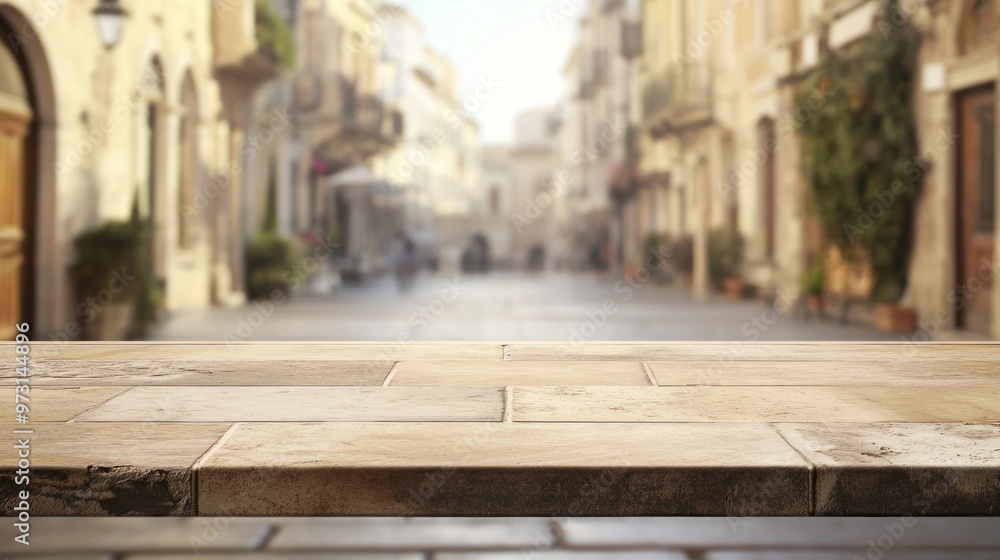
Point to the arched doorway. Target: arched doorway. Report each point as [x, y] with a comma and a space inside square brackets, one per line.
[17, 156]
[32, 268]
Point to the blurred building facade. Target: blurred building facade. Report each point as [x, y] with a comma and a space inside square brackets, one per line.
[520, 209]
[158, 116]
[436, 165]
[716, 107]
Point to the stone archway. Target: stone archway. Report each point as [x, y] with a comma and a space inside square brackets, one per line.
[32, 288]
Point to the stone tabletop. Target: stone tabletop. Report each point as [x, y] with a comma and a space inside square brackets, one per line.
[525, 429]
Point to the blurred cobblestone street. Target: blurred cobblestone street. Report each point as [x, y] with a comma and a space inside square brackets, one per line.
[509, 307]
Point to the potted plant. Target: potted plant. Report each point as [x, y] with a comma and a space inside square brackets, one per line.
[108, 278]
[270, 256]
[891, 316]
[656, 252]
[812, 288]
[725, 259]
[856, 146]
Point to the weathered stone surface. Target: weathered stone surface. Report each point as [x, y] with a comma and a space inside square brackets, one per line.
[854, 373]
[302, 404]
[109, 469]
[746, 351]
[503, 469]
[381, 352]
[407, 534]
[782, 533]
[285, 556]
[61, 536]
[61, 404]
[505, 374]
[895, 469]
[862, 553]
[217, 372]
[757, 404]
[565, 555]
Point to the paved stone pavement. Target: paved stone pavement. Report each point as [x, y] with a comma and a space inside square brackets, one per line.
[508, 307]
[221, 538]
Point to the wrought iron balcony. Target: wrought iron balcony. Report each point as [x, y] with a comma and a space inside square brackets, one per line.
[679, 98]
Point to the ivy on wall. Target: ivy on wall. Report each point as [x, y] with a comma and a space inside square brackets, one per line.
[860, 149]
[274, 34]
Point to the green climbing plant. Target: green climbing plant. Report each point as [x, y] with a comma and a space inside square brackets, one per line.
[860, 149]
[274, 34]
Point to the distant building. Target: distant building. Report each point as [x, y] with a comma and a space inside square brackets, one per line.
[518, 208]
[436, 165]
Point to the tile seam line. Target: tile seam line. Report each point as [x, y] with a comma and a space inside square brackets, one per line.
[200, 461]
[649, 374]
[392, 373]
[74, 419]
[809, 464]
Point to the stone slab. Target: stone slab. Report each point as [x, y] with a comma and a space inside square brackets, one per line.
[382, 352]
[895, 469]
[901, 553]
[756, 404]
[109, 469]
[565, 555]
[800, 533]
[284, 556]
[853, 373]
[770, 351]
[302, 404]
[506, 374]
[59, 536]
[382, 534]
[503, 469]
[61, 404]
[130, 372]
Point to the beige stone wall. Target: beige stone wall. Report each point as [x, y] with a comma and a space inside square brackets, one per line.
[95, 132]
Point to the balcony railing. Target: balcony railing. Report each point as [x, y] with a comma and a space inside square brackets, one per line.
[250, 40]
[337, 115]
[678, 98]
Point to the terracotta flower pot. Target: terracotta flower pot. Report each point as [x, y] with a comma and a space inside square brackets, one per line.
[895, 319]
[735, 288]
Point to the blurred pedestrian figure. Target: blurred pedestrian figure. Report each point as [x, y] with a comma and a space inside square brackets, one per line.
[403, 259]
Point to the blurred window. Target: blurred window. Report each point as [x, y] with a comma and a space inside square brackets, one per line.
[979, 26]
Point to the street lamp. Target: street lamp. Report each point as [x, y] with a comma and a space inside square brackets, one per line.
[110, 17]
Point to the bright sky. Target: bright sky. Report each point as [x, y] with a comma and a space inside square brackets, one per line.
[517, 42]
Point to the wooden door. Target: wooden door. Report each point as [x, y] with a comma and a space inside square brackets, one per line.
[15, 120]
[977, 204]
